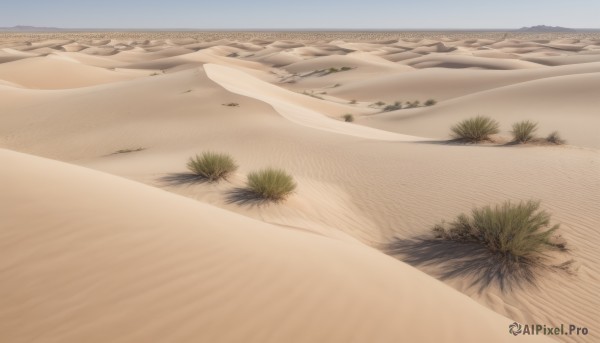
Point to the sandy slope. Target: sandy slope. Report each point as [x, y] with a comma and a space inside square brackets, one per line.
[135, 264]
[359, 184]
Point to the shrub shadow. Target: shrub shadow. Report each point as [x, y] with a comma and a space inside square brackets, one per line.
[245, 196]
[462, 259]
[181, 179]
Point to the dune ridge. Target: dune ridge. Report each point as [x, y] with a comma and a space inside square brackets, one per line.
[146, 248]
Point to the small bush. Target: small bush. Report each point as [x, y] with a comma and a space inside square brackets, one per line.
[413, 104]
[430, 102]
[212, 166]
[348, 117]
[271, 184]
[352, 102]
[515, 232]
[125, 151]
[396, 106]
[523, 131]
[555, 138]
[475, 129]
[231, 104]
[378, 104]
[345, 68]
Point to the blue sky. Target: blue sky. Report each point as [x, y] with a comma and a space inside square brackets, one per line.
[376, 14]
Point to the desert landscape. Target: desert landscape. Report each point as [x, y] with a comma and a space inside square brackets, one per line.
[110, 231]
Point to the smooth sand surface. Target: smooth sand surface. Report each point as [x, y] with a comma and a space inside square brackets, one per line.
[109, 253]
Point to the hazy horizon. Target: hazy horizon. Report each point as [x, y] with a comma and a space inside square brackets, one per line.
[309, 14]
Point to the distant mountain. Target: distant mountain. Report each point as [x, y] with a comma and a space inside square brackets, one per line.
[23, 28]
[544, 28]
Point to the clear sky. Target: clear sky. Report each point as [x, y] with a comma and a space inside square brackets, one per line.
[236, 14]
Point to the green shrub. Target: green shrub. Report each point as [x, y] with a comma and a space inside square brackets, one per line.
[212, 166]
[396, 106]
[348, 117]
[271, 184]
[555, 138]
[475, 129]
[413, 104]
[523, 131]
[515, 232]
[430, 102]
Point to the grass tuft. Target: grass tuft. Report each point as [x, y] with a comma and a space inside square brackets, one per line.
[396, 106]
[430, 102]
[523, 131]
[348, 117]
[475, 129]
[514, 232]
[271, 184]
[555, 138]
[212, 166]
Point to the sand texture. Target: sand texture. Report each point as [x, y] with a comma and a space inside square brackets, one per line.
[98, 244]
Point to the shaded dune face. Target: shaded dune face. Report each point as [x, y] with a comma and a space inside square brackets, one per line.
[107, 236]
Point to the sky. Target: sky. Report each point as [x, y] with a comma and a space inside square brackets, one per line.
[298, 14]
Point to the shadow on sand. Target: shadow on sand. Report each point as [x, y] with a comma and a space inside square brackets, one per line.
[182, 179]
[245, 196]
[461, 259]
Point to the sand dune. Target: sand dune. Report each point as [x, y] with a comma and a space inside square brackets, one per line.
[163, 271]
[116, 256]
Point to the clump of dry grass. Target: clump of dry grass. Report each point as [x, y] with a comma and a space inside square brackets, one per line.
[348, 117]
[475, 129]
[518, 232]
[523, 131]
[271, 184]
[555, 138]
[212, 166]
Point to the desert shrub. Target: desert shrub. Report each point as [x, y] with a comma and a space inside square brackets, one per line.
[396, 106]
[430, 102]
[348, 117]
[333, 70]
[523, 131]
[125, 151]
[555, 138]
[231, 104]
[515, 232]
[413, 104]
[475, 129]
[345, 68]
[271, 184]
[353, 102]
[212, 166]
[378, 104]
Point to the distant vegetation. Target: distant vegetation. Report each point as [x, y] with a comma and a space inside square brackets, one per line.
[212, 166]
[271, 184]
[430, 102]
[353, 102]
[312, 94]
[348, 117]
[396, 106]
[555, 138]
[125, 151]
[231, 104]
[523, 131]
[475, 129]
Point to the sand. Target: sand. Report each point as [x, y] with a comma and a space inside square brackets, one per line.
[99, 246]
